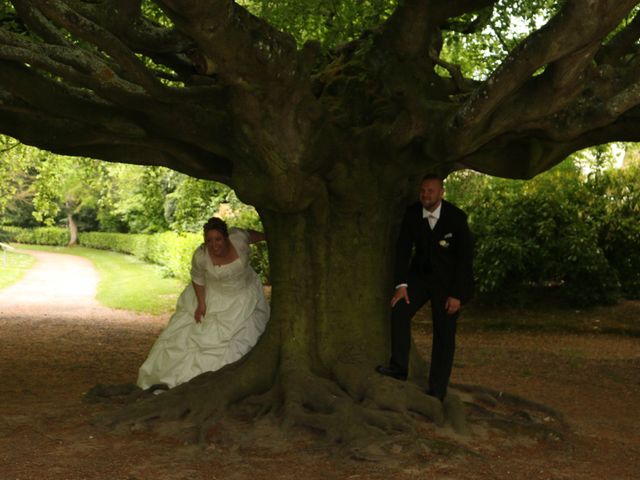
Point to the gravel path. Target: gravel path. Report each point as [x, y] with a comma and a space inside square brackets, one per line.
[59, 285]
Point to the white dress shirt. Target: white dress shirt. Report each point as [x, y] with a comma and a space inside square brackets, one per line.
[432, 217]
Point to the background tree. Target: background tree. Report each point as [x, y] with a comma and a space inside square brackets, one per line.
[17, 172]
[68, 187]
[327, 141]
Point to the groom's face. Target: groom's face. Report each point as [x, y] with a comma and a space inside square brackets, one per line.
[431, 193]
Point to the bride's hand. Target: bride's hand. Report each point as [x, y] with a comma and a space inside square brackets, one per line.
[201, 310]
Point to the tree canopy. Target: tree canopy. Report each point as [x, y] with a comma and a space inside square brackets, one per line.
[215, 90]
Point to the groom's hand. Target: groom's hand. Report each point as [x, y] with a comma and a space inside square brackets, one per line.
[401, 294]
[452, 305]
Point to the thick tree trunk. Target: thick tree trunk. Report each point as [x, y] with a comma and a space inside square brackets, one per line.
[337, 311]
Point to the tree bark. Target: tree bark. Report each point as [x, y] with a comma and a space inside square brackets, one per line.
[73, 230]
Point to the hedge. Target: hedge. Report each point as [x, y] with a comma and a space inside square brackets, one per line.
[36, 236]
[170, 250]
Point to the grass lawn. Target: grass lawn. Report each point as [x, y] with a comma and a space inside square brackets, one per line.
[13, 265]
[125, 281]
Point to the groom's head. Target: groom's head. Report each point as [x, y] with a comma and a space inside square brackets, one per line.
[431, 191]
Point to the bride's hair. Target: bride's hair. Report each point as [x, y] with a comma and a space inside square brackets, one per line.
[215, 223]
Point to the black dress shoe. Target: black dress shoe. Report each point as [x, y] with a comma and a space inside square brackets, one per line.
[392, 372]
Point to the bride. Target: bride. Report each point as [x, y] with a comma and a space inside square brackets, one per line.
[218, 318]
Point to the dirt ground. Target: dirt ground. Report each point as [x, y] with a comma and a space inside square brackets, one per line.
[56, 343]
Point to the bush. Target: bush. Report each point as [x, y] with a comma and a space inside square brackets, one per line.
[169, 249]
[56, 236]
[618, 193]
[541, 235]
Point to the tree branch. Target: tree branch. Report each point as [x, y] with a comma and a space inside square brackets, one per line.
[132, 68]
[79, 67]
[237, 46]
[550, 94]
[39, 24]
[462, 84]
[578, 25]
[527, 155]
[40, 111]
[623, 42]
[571, 97]
[124, 19]
[95, 141]
[408, 30]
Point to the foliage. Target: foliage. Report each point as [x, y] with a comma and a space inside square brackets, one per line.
[194, 201]
[38, 236]
[562, 232]
[479, 42]
[120, 198]
[619, 236]
[139, 195]
[38, 187]
[330, 22]
[67, 186]
[170, 250]
[16, 174]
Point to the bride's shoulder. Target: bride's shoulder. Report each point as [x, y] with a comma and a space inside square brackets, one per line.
[200, 251]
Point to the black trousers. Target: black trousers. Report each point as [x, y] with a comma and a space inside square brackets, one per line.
[443, 343]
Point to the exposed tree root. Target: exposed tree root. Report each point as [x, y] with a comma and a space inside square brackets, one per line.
[511, 413]
[201, 401]
[485, 394]
[352, 406]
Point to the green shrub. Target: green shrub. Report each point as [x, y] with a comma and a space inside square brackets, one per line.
[618, 193]
[169, 249]
[56, 236]
[535, 236]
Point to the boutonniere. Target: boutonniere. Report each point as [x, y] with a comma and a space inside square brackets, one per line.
[443, 243]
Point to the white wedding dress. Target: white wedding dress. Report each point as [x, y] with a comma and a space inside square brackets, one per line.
[236, 315]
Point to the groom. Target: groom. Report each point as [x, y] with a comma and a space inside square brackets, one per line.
[433, 262]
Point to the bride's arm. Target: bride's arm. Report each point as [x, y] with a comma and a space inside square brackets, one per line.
[201, 309]
[256, 236]
[197, 280]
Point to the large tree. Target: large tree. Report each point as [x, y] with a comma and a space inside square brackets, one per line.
[328, 143]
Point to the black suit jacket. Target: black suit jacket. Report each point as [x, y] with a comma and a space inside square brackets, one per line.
[443, 256]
